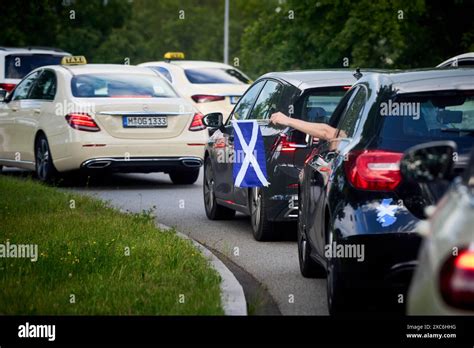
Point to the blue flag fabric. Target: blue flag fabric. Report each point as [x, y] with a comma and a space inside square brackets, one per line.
[249, 169]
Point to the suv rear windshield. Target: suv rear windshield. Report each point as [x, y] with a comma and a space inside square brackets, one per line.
[120, 86]
[18, 66]
[427, 117]
[216, 75]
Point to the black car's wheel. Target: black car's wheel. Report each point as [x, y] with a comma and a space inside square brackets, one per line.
[214, 211]
[184, 177]
[308, 267]
[1, 168]
[261, 226]
[45, 170]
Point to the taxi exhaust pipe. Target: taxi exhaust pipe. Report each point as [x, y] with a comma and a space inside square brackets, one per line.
[191, 163]
[98, 164]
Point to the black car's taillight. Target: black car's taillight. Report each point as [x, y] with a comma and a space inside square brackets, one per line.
[374, 170]
[82, 121]
[282, 144]
[456, 280]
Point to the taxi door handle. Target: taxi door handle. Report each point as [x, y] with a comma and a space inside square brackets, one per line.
[37, 111]
[14, 108]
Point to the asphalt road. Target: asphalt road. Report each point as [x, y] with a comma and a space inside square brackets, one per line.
[273, 264]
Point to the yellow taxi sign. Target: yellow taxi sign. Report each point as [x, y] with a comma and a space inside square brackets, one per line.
[174, 55]
[73, 60]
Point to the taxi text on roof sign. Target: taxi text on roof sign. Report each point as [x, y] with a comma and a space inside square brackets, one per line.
[73, 60]
[174, 55]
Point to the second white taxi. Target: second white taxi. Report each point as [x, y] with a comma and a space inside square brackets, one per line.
[96, 117]
[209, 86]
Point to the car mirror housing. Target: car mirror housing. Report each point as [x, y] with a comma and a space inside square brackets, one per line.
[3, 95]
[429, 162]
[213, 120]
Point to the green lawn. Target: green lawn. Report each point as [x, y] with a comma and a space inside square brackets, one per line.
[82, 252]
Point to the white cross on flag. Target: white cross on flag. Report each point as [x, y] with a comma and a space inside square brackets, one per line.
[249, 168]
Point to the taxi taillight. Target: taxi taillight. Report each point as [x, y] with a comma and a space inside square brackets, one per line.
[82, 121]
[196, 123]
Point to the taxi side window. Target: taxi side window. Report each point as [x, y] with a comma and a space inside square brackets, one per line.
[267, 101]
[24, 87]
[351, 116]
[45, 86]
[245, 103]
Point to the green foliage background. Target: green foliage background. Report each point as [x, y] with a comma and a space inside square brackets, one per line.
[265, 35]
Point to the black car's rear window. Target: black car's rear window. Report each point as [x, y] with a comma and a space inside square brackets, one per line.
[429, 117]
[18, 66]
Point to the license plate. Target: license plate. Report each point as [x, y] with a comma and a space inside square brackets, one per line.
[145, 121]
[234, 99]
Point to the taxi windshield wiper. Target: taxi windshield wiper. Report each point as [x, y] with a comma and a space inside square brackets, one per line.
[458, 130]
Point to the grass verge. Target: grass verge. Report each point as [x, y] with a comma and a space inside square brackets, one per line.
[95, 260]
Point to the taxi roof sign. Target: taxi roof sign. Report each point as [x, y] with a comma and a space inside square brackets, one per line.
[73, 60]
[174, 55]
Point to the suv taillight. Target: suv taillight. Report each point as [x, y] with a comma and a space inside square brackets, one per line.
[204, 98]
[196, 123]
[8, 86]
[82, 121]
[457, 280]
[374, 170]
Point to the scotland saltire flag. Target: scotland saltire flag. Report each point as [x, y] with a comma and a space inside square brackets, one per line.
[249, 168]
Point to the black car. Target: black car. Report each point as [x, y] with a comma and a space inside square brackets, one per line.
[357, 216]
[309, 95]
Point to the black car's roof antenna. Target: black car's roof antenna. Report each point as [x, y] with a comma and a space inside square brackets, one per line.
[357, 74]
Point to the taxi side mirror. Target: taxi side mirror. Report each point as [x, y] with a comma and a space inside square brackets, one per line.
[3, 95]
[429, 162]
[213, 120]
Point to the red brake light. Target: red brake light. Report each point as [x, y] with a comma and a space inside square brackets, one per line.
[8, 86]
[374, 170]
[283, 145]
[346, 88]
[196, 123]
[204, 98]
[82, 121]
[457, 280]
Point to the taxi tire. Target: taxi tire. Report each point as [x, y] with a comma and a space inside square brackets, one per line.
[44, 166]
[214, 211]
[184, 177]
[262, 228]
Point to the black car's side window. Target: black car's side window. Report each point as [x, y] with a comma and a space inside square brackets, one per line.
[341, 107]
[242, 109]
[352, 114]
[23, 89]
[267, 101]
[45, 86]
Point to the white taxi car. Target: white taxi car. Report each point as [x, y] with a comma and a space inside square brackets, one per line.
[210, 86]
[100, 117]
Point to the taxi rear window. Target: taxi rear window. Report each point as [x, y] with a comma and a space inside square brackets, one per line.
[120, 86]
[18, 66]
[216, 75]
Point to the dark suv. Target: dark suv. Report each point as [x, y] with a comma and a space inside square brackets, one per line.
[309, 95]
[357, 216]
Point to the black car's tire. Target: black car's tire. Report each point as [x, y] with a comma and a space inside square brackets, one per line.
[45, 170]
[184, 177]
[214, 211]
[1, 168]
[308, 267]
[263, 229]
[339, 299]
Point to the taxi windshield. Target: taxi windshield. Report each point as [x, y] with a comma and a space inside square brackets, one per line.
[120, 86]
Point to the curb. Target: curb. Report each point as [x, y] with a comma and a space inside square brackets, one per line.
[232, 297]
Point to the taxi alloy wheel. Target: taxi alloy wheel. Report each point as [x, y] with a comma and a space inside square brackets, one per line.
[261, 226]
[214, 211]
[45, 170]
